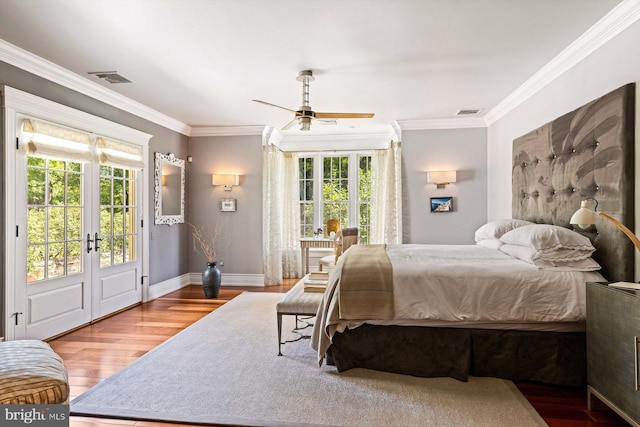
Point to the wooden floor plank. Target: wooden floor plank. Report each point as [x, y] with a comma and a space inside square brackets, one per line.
[99, 350]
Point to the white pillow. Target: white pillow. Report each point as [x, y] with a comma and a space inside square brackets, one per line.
[528, 255]
[495, 229]
[490, 243]
[550, 242]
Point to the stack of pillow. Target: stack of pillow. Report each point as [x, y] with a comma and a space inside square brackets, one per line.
[546, 246]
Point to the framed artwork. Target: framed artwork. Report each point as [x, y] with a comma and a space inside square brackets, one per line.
[228, 205]
[441, 204]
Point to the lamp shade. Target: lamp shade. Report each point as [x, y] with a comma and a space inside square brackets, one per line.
[586, 215]
[441, 177]
[224, 179]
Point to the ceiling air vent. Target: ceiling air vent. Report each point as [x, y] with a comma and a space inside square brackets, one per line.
[467, 112]
[110, 76]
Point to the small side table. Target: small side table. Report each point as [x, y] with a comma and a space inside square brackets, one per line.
[310, 242]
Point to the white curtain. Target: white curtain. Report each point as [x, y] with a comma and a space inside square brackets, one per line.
[386, 195]
[281, 215]
[291, 256]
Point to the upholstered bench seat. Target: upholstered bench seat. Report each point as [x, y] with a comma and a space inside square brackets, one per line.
[297, 302]
[31, 373]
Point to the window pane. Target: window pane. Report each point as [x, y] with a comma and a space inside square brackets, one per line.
[74, 189]
[118, 250]
[74, 257]
[335, 190]
[36, 161]
[35, 225]
[56, 188]
[55, 267]
[105, 252]
[56, 164]
[118, 192]
[35, 263]
[36, 186]
[55, 224]
[118, 221]
[105, 221]
[74, 223]
[105, 191]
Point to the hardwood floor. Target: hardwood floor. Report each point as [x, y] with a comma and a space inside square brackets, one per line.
[97, 351]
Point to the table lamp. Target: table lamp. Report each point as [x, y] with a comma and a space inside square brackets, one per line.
[588, 213]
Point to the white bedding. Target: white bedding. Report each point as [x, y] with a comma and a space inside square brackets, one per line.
[463, 285]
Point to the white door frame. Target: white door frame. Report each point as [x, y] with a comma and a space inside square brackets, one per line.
[17, 102]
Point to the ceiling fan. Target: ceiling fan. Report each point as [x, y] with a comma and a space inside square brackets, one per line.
[305, 114]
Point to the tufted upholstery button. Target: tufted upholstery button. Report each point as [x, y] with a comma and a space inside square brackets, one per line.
[573, 190]
[573, 150]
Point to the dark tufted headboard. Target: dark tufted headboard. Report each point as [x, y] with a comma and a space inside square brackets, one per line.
[587, 152]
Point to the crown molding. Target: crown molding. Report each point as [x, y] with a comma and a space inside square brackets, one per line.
[615, 22]
[445, 123]
[611, 25]
[34, 64]
[227, 130]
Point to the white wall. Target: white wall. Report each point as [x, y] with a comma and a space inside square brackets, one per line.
[463, 150]
[241, 247]
[613, 65]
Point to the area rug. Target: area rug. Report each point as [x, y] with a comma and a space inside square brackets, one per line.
[224, 369]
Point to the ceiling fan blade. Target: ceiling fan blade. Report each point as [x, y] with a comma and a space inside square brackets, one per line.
[290, 124]
[343, 115]
[274, 105]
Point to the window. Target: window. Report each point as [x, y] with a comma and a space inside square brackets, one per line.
[117, 216]
[54, 218]
[336, 186]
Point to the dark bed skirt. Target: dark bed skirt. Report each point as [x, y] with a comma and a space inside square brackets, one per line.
[548, 357]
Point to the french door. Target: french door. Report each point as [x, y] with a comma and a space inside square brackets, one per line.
[79, 251]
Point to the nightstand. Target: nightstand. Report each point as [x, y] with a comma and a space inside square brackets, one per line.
[613, 331]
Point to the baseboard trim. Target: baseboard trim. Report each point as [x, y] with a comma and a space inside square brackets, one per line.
[233, 279]
[228, 279]
[168, 286]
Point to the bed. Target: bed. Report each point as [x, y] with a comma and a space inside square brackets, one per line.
[519, 320]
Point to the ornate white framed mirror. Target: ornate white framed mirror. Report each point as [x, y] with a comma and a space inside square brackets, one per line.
[169, 186]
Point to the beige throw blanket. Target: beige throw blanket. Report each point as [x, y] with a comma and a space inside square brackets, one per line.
[360, 288]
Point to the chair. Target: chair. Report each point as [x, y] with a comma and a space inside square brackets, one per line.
[341, 242]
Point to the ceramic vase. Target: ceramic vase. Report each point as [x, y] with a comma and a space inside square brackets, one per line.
[211, 280]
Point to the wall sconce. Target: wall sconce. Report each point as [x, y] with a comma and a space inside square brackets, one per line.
[164, 180]
[441, 178]
[227, 180]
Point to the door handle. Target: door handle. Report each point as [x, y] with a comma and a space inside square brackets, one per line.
[97, 240]
[89, 243]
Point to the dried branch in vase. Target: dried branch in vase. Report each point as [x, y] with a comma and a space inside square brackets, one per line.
[207, 242]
